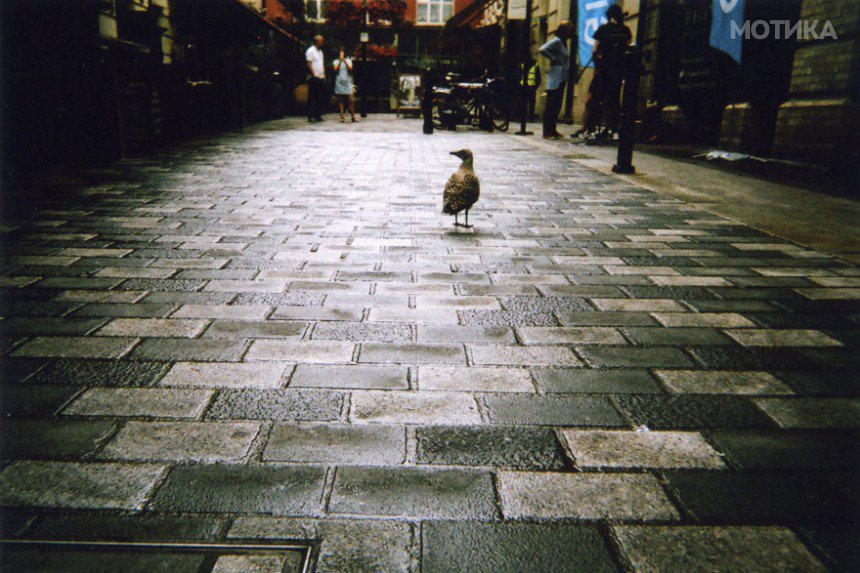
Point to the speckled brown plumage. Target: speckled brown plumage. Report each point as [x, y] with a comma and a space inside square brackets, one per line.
[463, 188]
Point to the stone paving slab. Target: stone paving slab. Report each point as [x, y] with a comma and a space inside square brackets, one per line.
[345, 545]
[584, 496]
[413, 493]
[336, 444]
[513, 547]
[330, 348]
[181, 441]
[226, 375]
[140, 402]
[294, 490]
[718, 549]
[79, 485]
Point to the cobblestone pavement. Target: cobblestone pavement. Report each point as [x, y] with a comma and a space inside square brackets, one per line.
[276, 334]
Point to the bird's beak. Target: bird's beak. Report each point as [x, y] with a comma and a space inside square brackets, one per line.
[456, 154]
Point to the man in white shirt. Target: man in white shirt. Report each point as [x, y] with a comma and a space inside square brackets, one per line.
[559, 59]
[316, 82]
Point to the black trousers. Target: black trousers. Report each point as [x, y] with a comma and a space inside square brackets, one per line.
[553, 107]
[316, 98]
[530, 93]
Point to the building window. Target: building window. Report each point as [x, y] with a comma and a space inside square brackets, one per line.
[434, 11]
[315, 10]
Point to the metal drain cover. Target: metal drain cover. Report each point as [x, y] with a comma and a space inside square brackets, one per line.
[148, 557]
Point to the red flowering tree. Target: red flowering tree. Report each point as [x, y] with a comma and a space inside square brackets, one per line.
[345, 19]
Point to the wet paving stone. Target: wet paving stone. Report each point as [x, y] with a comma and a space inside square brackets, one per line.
[515, 448]
[108, 373]
[818, 382]
[513, 547]
[677, 337]
[17, 370]
[554, 410]
[692, 412]
[584, 381]
[583, 496]
[414, 408]
[762, 498]
[101, 526]
[293, 490]
[288, 405]
[76, 347]
[189, 350]
[237, 329]
[781, 450]
[715, 548]
[345, 544]
[280, 299]
[728, 358]
[336, 444]
[352, 376]
[136, 310]
[641, 449]
[66, 326]
[506, 318]
[722, 382]
[412, 353]
[635, 357]
[34, 439]
[73, 485]
[606, 318]
[431, 333]
[33, 401]
[140, 402]
[363, 332]
[413, 493]
[181, 441]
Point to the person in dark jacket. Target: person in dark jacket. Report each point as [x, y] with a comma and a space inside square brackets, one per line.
[610, 45]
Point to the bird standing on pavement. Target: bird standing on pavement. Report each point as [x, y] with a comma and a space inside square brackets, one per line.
[462, 190]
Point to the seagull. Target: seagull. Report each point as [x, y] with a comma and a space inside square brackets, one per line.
[462, 190]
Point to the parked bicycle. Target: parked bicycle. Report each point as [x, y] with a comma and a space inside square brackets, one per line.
[480, 103]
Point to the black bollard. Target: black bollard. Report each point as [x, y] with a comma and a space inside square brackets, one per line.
[627, 128]
[427, 101]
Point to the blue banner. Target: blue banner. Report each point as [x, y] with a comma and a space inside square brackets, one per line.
[726, 23]
[590, 16]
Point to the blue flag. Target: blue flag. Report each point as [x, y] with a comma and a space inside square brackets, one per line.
[726, 23]
[590, 17]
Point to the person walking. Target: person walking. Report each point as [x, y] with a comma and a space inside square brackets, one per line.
[556, 78]
[529, 90]
[315, 60]
[343, 85]
[604, 93]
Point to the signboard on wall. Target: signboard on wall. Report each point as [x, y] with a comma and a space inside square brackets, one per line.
[516, 9]
[591, 15]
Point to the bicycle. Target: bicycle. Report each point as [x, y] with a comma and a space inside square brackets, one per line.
[480, 104]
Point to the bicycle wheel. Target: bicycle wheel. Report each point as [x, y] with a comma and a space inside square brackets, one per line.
[436, 114]
[498, 116]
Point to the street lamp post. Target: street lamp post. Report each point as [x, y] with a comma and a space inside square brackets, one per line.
[365, 38]
[526, 57]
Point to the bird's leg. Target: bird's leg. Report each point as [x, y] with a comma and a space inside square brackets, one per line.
[467, 225]
[456, 221]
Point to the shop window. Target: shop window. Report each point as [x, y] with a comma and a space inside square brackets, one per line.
[434, 11]
[315, 10]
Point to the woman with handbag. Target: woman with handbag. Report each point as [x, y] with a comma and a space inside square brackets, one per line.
[343, 85]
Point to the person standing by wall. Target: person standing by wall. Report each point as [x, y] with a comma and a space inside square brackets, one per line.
[316, 82]
[529, 91]
[556, 78]
[343, 85]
